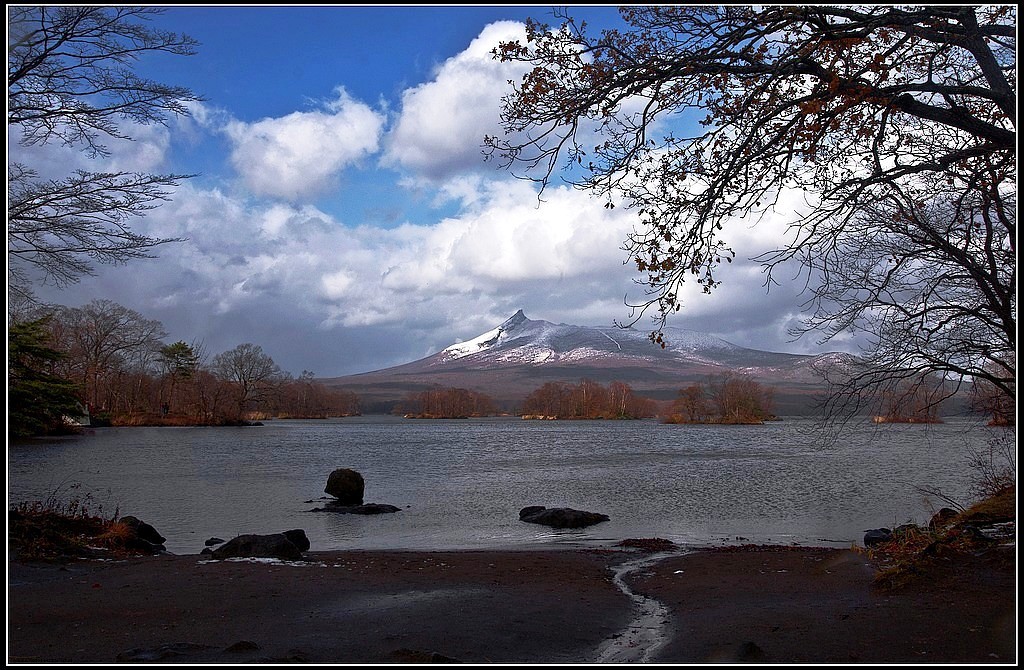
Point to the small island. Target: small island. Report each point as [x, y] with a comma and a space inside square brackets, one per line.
[586, 400]
[729, 399]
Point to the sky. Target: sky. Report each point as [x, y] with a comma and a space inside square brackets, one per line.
[342, 215]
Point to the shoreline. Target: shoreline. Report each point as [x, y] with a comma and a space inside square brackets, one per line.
[761, 603]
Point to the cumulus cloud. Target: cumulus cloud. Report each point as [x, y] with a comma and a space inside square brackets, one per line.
[301, 154]
[442, 123]
[247, 263]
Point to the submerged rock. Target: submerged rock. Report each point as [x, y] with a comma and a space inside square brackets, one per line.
[560, 517]
[368, 508]
[346, 485]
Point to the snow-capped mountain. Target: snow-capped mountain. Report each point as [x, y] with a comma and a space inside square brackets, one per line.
[520, 341]
[516, 357]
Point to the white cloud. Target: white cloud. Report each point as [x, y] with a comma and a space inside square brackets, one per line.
[300, 155]
[146, 151]
[319, 295]
[442, 123]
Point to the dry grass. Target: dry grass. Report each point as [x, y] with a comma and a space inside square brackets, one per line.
[922, 553]
[67, 526]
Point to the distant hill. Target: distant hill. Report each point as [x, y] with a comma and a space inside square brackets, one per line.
[516, 357]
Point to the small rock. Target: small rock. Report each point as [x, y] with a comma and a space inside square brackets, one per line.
[877, 536]
[213, 540]
[242, 646]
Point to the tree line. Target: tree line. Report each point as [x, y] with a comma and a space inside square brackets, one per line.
[446, 403]
[587, 400]
[109, 362]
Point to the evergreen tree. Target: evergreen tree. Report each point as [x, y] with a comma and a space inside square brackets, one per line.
[37, 400]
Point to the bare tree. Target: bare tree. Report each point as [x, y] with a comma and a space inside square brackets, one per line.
[247, 366]
[690, 406]
[70, 81]
[105, 343]
[739, 398]
[897, 124]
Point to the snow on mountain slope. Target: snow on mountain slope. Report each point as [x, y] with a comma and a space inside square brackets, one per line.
[521, 341]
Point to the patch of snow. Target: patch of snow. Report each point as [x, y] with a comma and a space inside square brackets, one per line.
[528, 355]
[617, 345]
[473, 346]
[584, 353]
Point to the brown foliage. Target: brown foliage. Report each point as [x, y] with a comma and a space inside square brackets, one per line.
[728, 399]
[587, 400]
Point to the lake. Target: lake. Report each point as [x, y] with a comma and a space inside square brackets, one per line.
[461, 483]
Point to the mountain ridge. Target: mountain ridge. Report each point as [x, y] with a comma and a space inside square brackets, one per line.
[509, 361]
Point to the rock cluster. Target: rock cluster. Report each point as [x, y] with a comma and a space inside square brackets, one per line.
[347, 488]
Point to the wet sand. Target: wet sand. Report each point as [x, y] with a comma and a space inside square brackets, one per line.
[562, 606]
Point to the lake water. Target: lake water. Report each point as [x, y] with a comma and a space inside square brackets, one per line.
[461, 483]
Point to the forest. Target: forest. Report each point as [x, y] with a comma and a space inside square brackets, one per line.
[111, 365]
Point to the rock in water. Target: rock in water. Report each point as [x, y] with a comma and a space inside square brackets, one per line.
[560, 517]
[367, 508]
[346, 485]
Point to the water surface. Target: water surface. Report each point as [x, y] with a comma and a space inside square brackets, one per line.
[461, 484]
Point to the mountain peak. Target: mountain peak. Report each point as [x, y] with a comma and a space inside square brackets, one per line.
[486, 341]
[513, 321]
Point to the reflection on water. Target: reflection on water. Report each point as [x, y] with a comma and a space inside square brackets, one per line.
[460, 484]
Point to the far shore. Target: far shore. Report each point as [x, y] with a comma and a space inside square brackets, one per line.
[771, 604]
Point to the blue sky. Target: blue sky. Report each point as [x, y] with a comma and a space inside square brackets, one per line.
[343, 217]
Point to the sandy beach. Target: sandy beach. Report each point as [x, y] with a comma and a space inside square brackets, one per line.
[756, 604]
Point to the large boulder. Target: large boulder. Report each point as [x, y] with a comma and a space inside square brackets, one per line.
[275, 545]
[346, 485]
[560, 517]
